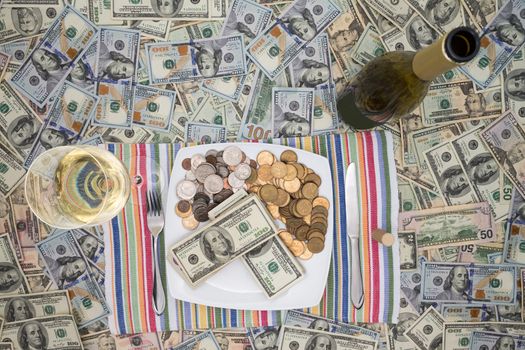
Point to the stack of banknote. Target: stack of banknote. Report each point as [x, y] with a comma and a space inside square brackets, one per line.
[122, 71]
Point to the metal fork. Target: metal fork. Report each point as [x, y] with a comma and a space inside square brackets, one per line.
[155, 225]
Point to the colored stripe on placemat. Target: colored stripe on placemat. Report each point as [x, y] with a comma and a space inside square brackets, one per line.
[129, 277]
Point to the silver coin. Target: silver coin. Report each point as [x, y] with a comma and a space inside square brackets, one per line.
[243, 171]
[234, 181]
[232, 155]
[222, 170]
[213, 184]
[190, 176]
[196, 160]
[211, 152]
[203, 171]
[186, 190]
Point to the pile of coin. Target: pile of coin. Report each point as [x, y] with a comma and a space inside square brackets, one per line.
[210, 179]
[291, 193]
[289, 189]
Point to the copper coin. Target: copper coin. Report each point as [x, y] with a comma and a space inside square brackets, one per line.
[264, 173]
[268, 193]
[291, 172]
[303, 207]
[306, 255]
[286, 237]
[313, 178]
[292, 186]
[279, 170]
[309, 190]
[315, 245]
[211, 159]
[315, 234]
[321, 201]
[253, 176]
[274, 210]
[283, 198]
[302, 232]
[265, 158]
[183, 209]
[288, 156]
[297, 247]
[300, 170]
[186, 164]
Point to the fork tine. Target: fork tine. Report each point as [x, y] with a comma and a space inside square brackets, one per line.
[148, 205]
[158, 204]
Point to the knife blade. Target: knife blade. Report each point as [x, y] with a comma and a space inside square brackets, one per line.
[352, 230]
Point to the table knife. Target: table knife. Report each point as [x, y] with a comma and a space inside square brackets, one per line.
[352, 229]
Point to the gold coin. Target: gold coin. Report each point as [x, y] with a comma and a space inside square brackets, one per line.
[264, 173]
[288, 156]
[313, 178]
[286, 237]
[190, 223]
[274, 210]
[306, 255]
[303, 207]
[302, 232]
[283, 198]
[297, 248]
[315, 245]
[265, 158]
[292, 186]
[321, 201]
[310, 190]
[291, 172]
[300, 170]
[279, 170]
[268, 193]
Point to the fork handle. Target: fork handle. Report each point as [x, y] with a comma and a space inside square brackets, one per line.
[159, 300]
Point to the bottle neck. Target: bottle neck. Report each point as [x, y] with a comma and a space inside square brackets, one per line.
[432, 61]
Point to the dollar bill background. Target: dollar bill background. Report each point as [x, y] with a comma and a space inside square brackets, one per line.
[461, 119]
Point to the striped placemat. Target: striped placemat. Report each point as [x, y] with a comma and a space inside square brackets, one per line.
[129, 257]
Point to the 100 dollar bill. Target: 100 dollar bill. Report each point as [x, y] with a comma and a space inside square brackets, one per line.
[239, 230]
[492, 340]
[292, 111]
[457, 336]
[427, 331]
[175, 62]
[153, 108]
[181, 10]
[468, 312]
[50, 333]
[305, 339]
[473, 283]
[22, 307]
[26, 22]
[274, 49]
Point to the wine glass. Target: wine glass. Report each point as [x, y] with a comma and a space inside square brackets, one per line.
[76, 186]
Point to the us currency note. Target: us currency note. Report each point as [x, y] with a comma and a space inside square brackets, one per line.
[416, 34]
[257, 122]
[195, 31]
[226, 88]
[453, 102]
[396, 12]
[273, 266]
[18, 125]
[427, 331]
[458, 335]
[478, 253]
[482, 169]
[449, 226]
[69, 269]
[18, 50]
[468, 312]
[300, 319]
[18, 3]
[514, 85]
[116, 76]
[312, 68]
[111, 135]
[51, 61]
[152, 29]
[180, 10]
[228, 339]
[6, 346]
[368, 47]
[153, 108]
[246, 17]
[275, 48]
[505, 139]
[197, 262]
[68, 118]
[191, 97]
[493, 340]
[175, 62]
[292, 111]
[84, 72]
[513, 251]
[446, 170]
[205, 341]
[473, 283]
[304, 338]
[14, 281]
[99, 340]
[92, 247]
[407, 196]
[502, 38]
[418, 142]
[4, 60]
[267, 336]
[204, 133]
[26, 22]
[444, 17]
[408, 313]
[147, 341]
[407, 250]
[481, 11]
[12, 171]
[52, 333]
[23, 307]
[169, 338]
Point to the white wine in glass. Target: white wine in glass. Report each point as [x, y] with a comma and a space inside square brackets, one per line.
[76, 186]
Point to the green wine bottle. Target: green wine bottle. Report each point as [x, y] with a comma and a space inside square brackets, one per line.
[393, 85]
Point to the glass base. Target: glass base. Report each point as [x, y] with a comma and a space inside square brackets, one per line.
[351, 115]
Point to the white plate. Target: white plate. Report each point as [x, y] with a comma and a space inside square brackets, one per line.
[233, 286]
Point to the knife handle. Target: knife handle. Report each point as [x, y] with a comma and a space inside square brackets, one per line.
[356, 291]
